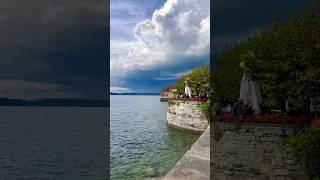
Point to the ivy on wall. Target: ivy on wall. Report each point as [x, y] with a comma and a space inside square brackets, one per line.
[306, 148]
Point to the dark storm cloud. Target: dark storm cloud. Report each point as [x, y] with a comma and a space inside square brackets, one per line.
[153, 80]
[235, 20]
[55, 44]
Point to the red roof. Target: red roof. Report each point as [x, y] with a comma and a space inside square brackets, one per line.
[169, 87]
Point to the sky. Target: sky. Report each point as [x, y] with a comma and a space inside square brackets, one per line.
[53, 49]
[236, 20]
[61, 48]
[153, 43]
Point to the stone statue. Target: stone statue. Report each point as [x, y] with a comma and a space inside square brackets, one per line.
[187, 90]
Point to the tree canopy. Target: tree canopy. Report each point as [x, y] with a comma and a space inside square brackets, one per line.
[198, 80]
[284, 59]
[227, 75]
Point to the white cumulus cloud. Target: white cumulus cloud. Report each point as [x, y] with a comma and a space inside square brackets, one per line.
[178, 30]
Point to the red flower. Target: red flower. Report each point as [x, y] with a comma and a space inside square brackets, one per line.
[264, 118]
[190, 99]
[315, 121]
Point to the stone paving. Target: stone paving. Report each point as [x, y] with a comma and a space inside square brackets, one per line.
[195, 164]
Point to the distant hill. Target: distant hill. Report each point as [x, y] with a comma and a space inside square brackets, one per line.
[137, 94]
[55, 102]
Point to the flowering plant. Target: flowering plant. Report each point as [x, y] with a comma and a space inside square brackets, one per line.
[189, 99]
[262, 118]
[315, 121]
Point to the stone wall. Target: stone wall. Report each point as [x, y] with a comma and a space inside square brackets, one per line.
[252, 152]
[186, 115]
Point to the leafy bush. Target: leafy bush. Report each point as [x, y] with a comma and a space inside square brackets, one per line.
[198, 80]
[204, 106]
[171, 103]
[306, 148]
[227, 74]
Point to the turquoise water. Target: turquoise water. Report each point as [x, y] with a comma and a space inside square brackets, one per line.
[140, 138]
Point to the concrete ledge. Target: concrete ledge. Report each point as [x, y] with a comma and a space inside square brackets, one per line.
[195, 164]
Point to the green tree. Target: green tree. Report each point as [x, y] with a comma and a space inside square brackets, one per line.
[198, 80]
[286, 62]
[284, 59]
[227, 74]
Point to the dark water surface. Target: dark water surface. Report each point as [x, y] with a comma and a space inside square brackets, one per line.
[140, 138]
[53, 143]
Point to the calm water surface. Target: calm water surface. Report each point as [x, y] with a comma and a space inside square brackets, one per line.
[140, 138]
[53, 143]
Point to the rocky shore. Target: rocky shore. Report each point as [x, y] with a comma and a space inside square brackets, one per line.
[186, 115]
[195, 164]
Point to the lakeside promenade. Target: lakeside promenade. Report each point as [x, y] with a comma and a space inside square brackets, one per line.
[195, 164]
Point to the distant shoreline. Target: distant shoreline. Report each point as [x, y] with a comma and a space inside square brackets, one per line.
[53, 102]
[79, 106]
[136, 94]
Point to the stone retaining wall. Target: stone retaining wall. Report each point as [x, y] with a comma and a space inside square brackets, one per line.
[186, 115]
[252, 152]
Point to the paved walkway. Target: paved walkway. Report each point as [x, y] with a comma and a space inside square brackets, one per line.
[195, 164]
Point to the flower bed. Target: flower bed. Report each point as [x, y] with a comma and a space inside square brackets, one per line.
[190, 99]
[315, 122]
[266, 118]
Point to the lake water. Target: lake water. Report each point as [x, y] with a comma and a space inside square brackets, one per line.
[140, 138]
[53, 143]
